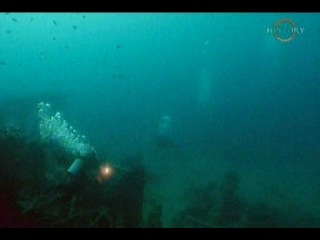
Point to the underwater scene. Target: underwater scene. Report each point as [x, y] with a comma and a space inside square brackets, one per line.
[159, 120]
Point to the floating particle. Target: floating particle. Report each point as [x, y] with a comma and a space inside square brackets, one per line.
[74, 27]
[54, 22]
[3, 63]
[54, 38]
[14, 19]
[118, 46]
[83, 16]
[31, 19]
[66, 47]
[8, 31]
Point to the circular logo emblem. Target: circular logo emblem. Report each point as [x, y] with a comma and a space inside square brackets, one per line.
[285, 30]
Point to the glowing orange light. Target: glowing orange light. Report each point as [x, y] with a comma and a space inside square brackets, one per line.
[106, 171]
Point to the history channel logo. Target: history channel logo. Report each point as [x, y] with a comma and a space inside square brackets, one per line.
[285, 30]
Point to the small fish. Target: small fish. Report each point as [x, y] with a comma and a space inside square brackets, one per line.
[66, 47]
[165, 143]
[14, 19]
[54, 22]
[74, 27]
[43, 55]
[3, 63]
[31, 19]
[118, 46]
[54, 38]
[83, 16]
[8, 31]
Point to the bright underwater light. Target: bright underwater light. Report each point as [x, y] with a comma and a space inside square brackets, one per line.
[106, 172]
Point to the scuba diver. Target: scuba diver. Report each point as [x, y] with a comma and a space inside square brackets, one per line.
[164, 134]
